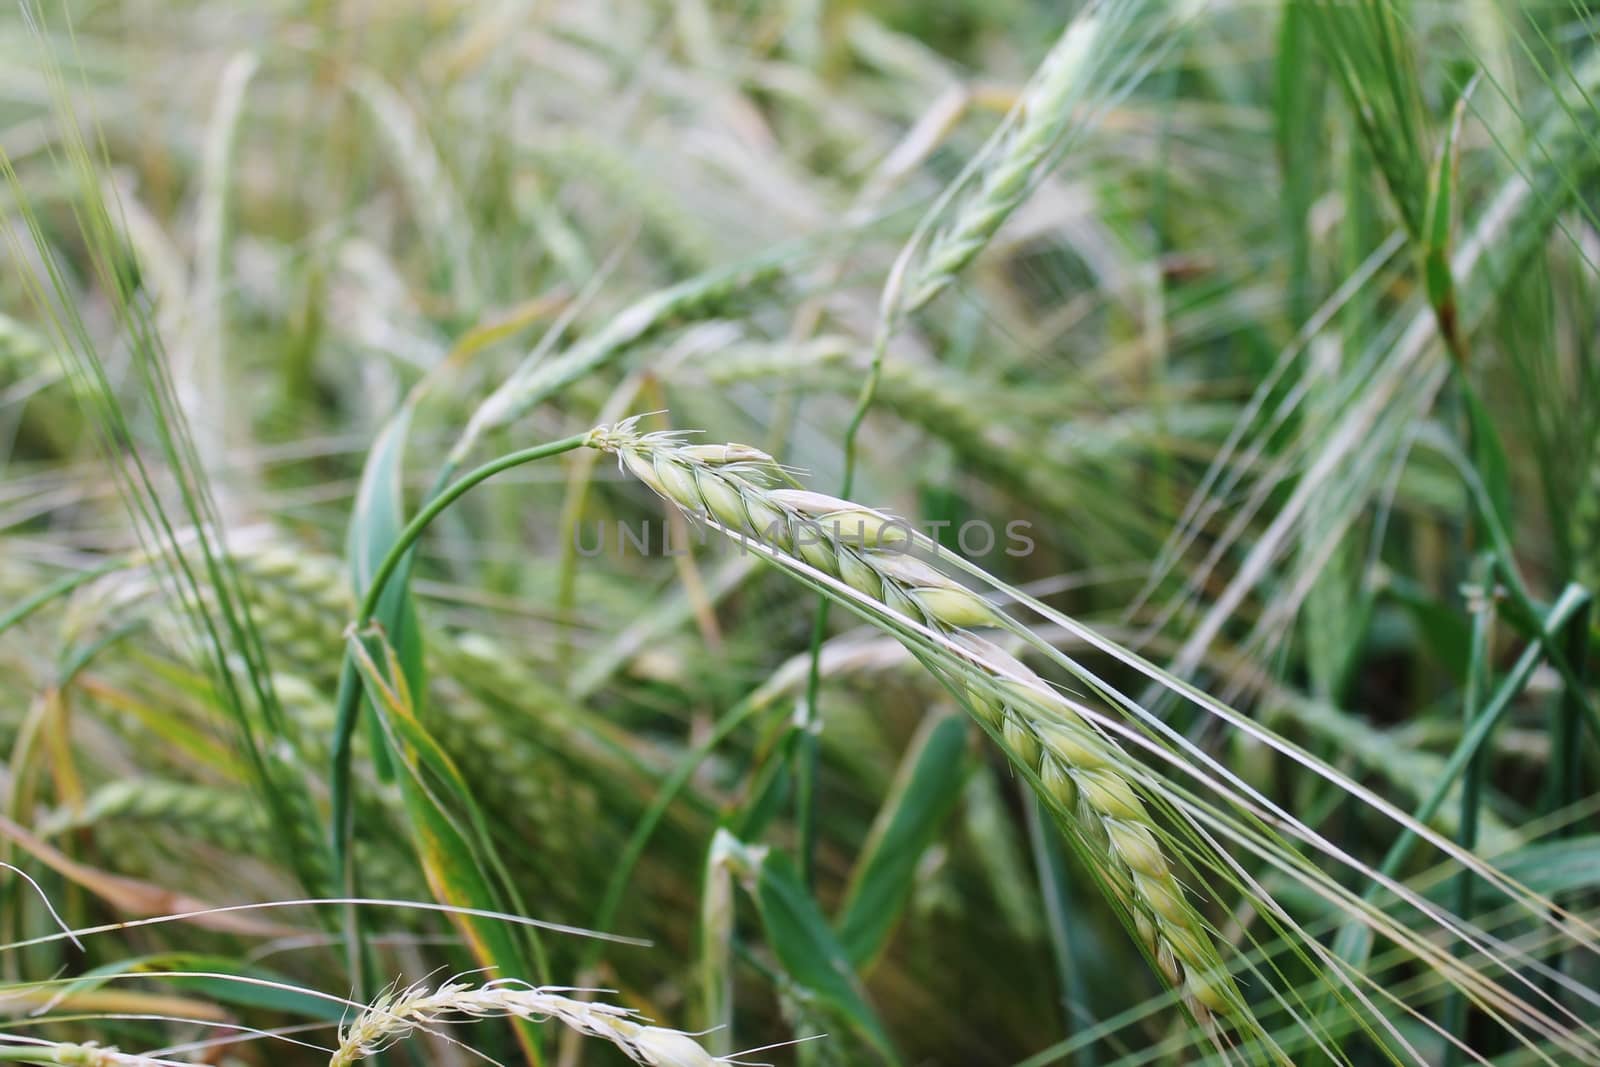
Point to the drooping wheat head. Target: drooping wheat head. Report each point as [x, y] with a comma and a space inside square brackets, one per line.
[1081, 772]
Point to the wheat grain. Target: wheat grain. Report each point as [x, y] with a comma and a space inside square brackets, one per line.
[395, 1016]
[1079, 770]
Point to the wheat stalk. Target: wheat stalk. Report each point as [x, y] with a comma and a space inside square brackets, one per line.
[1585, 523]
[1080, 771]
[434, 198]
[396, 1015]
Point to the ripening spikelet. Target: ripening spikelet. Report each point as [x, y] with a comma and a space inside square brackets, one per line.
[732, 485]
[700, 297]
[581, 155]
[1082, 772]
[225, 817]
[299, 600]
[125, 810]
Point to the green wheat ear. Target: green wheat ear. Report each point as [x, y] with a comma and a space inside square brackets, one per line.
[1013, 165]
[1082, 773]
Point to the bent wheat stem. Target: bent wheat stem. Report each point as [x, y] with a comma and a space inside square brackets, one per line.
[349, 698]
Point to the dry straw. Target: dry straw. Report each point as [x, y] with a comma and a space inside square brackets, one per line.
[395, 1016]
[1081, 772]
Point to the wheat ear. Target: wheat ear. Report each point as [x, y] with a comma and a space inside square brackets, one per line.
[226, 817]
[396, 1015]
[1013, 163]
[535, 379]
[1080, 771]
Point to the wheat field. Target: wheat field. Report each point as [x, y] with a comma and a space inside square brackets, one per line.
[820, 532]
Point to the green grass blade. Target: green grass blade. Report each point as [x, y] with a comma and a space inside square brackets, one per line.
[924, 794]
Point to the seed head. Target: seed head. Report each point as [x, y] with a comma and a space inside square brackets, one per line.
[1082, 772]
[396, 1015]
[738, 488]
[1036, 131]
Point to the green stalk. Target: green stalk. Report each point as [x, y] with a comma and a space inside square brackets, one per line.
[810, 738]
[1566, 743]
[350, 691]
[668, 791]
[348, 682]
[1056, 894]
[808, 748]
[1472, 785]
[891, 309]
[1354, 942]
[1526, 616]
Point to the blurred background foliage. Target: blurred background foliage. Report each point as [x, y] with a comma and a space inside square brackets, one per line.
[1288, 362]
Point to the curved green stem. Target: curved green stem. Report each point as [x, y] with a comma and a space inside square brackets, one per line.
[447, 496]
[349, 699]
[889, 313]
